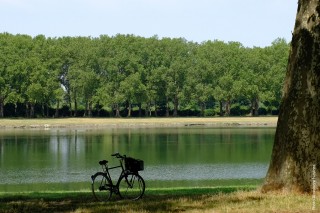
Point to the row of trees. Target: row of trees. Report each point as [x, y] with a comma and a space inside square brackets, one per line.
[84, 76]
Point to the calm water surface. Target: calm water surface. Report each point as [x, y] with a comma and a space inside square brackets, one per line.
[64, 159]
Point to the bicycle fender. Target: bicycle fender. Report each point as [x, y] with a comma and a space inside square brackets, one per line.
[95, 175]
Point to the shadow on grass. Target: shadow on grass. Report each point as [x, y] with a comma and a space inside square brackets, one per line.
[154, 200]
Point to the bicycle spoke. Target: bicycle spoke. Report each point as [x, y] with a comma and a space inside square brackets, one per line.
[131, 186]
[101, 188]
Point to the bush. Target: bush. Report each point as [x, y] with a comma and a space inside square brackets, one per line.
[263, 110]
[209, 112]
[239, 110]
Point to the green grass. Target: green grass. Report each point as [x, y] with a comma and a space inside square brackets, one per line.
[208, 199]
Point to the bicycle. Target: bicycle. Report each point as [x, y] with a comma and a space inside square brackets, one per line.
[130, 184]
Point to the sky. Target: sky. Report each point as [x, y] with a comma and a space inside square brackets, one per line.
[250, 22]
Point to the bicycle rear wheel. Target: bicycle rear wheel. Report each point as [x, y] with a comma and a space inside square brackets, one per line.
[131, 186]
[101, 187]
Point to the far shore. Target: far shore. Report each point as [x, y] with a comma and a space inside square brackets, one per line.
[46, 123]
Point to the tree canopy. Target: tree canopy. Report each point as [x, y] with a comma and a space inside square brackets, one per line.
[127, 75]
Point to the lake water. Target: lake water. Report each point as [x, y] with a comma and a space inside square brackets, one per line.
[64, 159]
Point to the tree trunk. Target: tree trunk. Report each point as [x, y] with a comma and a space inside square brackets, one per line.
[1, 108]
[140, 110]
[176, 104]
[117, 111]
[57, 109]
[42, 110]
[228, 107]
[255, 107]
[90, 109]
[295, 161]
[75, 107]
[32, 115]
[129, 110]
[167, 107]
[146, 113]
[221, 108]
[155, 109]
[203, 107]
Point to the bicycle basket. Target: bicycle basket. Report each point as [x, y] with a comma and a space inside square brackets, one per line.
[134, 165]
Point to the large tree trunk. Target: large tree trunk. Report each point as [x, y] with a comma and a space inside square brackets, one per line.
[295, 159]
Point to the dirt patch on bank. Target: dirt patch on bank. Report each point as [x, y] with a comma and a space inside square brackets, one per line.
[136, 122]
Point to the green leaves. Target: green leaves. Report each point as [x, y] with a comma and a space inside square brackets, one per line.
[115, 73]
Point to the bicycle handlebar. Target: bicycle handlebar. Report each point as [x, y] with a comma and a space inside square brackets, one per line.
[117, 155]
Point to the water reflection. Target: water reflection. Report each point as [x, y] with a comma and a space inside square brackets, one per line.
[190, 153]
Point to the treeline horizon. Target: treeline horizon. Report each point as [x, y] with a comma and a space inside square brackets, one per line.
[132, 76]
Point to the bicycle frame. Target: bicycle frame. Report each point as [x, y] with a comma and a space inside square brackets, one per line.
[130, 185]
[105, 172]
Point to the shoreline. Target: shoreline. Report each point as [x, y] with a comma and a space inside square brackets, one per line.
[48, 123]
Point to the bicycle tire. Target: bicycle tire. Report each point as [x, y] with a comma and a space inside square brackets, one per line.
[131, 186]
[101, 187]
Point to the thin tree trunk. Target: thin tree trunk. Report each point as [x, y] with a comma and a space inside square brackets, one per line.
[228, 107]
[176, 104]
[155, 109]
[90, 109]
[140, 110]
[32, 115]
[203, 107]
[1, 108]
[167, 107]
[75, 107]
[295, 158]
[57, 109]
[255, 107]
[129, 110]
[221, 108]
[117, 111]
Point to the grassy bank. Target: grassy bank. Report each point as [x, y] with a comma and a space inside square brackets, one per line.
[136, 122]
[223, 199]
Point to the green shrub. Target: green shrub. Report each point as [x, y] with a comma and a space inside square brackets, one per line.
[239, 110]
[209, 112]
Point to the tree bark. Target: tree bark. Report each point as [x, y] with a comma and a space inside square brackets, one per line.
[1, 108]
[228, 107]
[117, 108]
[90, 109]
[221, 108]
[255, 107]
[75, 114]
[176, 104]
[167, 107]
[129, 110]
[295, 160]
[203, 107]
[57, 109]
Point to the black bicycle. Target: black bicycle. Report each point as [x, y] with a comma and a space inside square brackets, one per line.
[130, 184]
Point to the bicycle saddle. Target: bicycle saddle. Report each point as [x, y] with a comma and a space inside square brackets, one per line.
[103, 162]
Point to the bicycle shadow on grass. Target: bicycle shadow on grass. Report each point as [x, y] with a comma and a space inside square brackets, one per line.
[154, 200]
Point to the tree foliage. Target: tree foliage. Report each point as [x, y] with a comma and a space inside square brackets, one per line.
[127, 75]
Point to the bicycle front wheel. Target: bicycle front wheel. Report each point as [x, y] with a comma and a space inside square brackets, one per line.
[101, 187]
[131, 186]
